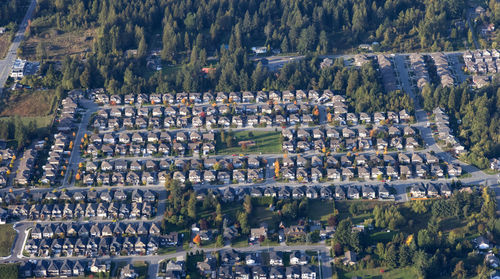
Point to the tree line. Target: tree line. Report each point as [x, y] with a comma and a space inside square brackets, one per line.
[14, 129]
[12, 11]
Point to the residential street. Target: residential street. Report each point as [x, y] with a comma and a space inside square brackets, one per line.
[75, 157]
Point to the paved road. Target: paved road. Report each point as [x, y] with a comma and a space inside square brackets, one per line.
[276, 62]
[456, 67]
[75, 157]
[6, 64]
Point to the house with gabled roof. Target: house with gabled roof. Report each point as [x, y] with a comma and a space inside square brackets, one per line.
[353, 193]
[333, 174]
[364, 172]
[340, 193]
[239, 175]
[406, 171]
[368, 192]
[365, 117]
[418, 191]
[383, 191]
[311, 193]
[454, 170]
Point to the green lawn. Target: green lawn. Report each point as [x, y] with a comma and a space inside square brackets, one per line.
[268, 242]
[374, 273]
[465, 175]
[261, 214]
[490, 171]
[167, 250]
[7, 236]
[450, 223]
[41, 121]
[382, 236]
[240, 242]
[8, 271]
[320, 210]
[265, 142]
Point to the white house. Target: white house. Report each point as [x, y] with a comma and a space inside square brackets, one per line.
[259, 50]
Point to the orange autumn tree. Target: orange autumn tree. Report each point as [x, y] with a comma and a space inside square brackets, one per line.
[197, 239]
[316, 111]
[277, 168]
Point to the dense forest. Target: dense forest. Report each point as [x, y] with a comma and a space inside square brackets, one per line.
[302, 26]
[478, 113]
[12, 11]
[219, 33]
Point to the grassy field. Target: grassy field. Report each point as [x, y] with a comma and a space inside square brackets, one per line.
[229, 209]
[364, 208]
[261, 214]
[41, 121]
[32, 103]
[319, 210]
[167, 250]
[59, 45]
[240, 242]
[8, 271]
[265, 142]
[7, 236]
[374, 273]
[382, 236]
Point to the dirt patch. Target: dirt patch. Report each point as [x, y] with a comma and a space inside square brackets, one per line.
[35, 103]
[58, 45]
[4, 45]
